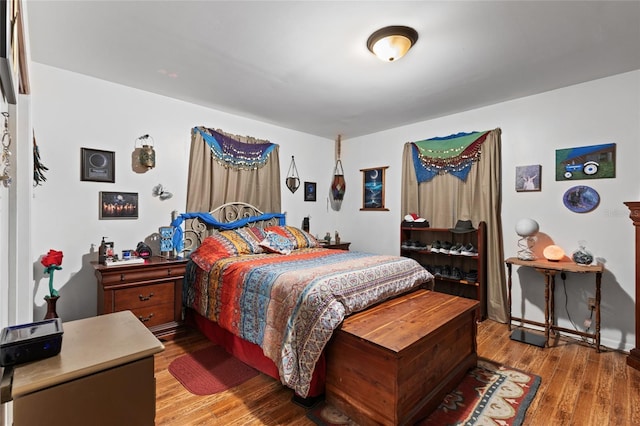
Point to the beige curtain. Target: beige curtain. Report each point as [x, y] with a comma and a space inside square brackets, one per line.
[446, 199]
[211, 184]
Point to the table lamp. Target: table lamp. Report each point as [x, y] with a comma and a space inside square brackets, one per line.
[526, 229]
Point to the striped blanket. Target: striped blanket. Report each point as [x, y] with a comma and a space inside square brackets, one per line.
[290, 305]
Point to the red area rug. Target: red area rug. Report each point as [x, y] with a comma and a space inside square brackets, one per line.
[210, 370]
[489, 394]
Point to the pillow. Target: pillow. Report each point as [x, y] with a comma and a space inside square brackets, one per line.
[276, 243]
[211, 249]
[299, 238]
[225, 244]
[250, 239]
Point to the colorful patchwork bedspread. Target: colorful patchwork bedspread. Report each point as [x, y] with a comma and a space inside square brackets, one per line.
[290, 305]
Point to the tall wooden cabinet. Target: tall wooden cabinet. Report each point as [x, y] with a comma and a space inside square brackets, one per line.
[456, 273]
[634, 355]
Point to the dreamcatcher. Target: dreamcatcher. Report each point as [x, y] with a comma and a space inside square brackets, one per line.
[338, 185]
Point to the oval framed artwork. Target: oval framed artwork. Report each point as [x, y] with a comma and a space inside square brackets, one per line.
[581, 199]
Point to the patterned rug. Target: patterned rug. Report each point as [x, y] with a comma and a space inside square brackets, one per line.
[489, 394]
[210, 370]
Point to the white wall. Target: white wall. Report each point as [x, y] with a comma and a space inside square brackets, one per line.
[596, 112]
[71, 111]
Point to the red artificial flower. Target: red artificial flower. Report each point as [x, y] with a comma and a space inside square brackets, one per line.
[54, 257]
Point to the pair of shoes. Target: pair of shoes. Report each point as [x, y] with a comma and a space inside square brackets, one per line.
[456, 249]
[469, 250]
[419, 245]
[435, 246]
[456, 274]
[471, 276]
[445, 247]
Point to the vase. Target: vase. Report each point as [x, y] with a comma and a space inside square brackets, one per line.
[582, 256]
[51, 306]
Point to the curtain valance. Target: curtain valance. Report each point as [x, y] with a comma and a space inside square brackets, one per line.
[234, 153]
[452, 154]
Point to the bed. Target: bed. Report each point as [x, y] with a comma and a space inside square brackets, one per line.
[272, 296]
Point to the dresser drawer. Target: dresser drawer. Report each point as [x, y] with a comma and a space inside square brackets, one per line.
[143, 296]
[141, 274]
[154, 315]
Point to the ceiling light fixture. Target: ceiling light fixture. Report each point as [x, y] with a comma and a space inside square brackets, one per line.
[392, 43]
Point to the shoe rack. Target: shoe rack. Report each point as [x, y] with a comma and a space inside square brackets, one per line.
[460, 273]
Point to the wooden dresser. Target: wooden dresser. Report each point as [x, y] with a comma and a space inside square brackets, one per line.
[151, 290]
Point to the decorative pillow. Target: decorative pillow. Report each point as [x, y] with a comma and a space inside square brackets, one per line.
[251, 237]
[213, 248]
[299, 238]
[276, 243]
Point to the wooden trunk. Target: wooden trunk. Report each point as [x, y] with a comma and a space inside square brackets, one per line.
[394, 363]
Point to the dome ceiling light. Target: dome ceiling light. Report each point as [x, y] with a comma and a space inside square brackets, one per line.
[392, 43]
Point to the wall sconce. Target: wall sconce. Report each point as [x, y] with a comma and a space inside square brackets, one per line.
[159, 191]
[147, 156]
[392, 43]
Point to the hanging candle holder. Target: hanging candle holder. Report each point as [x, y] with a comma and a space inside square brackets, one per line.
[293, 179]
[147, 157]
[5, 177]
[338, 185]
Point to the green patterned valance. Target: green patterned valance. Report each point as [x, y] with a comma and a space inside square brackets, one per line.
[452, 154]
[233, 153]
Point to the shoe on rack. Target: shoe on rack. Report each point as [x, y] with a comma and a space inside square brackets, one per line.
[435, 247]
[469, 250]
[471, 276]
[445, 247]
[456, 274]
[456, 249]
[446, 271]
[437, 271]
[420, 245]
[405, 244]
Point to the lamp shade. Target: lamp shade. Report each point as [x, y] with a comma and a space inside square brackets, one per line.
[392, 43]
[527, 227]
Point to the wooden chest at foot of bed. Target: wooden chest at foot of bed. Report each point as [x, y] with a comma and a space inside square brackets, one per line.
[394, 363]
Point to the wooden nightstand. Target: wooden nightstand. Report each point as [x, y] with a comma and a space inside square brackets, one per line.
[342, 245]
[151, 290]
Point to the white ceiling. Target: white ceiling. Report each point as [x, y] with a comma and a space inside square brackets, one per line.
[304, 65]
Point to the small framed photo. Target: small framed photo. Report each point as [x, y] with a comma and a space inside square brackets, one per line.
[118, 205]
[310, 191]
[373, 187]
[97, 165]
[528, 178]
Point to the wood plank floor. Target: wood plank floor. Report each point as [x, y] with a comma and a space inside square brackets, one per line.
[579, 386]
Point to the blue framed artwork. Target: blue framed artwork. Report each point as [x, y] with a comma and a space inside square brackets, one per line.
[373, 187]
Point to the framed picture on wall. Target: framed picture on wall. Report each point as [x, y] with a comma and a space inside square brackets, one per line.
[528, 178]
[373, 187]
[310, 191]
[118, 205]
[97, 165]
[586, 162]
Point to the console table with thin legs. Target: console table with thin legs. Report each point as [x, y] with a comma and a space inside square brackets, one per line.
[549, 269]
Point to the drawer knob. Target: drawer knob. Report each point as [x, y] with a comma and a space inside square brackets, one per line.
[145, 319]
[121, 277]
[145, 298]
